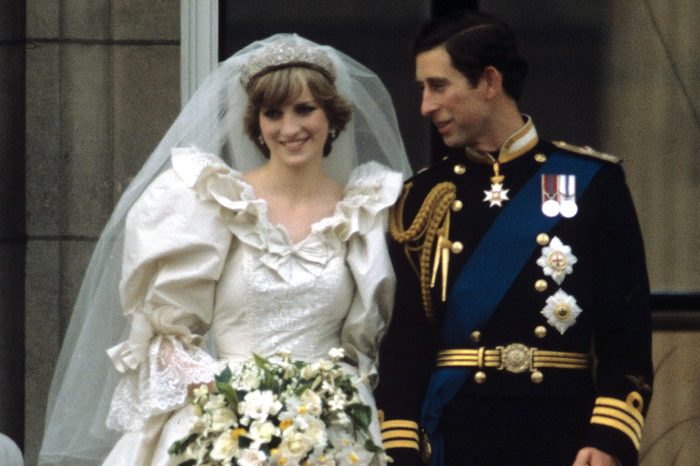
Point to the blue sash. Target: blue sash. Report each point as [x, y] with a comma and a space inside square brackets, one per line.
[488, 275]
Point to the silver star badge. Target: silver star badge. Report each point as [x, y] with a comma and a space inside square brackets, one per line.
[496, 195]
[561, 311]
[556, 260]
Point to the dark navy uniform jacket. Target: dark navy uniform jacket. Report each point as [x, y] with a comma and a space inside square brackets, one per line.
[501, 417]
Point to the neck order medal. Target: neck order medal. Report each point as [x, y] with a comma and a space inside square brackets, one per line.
[496, 195]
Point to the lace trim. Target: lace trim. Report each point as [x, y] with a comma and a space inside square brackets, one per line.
[160, 384]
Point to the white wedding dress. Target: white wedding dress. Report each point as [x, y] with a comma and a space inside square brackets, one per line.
[201, 255]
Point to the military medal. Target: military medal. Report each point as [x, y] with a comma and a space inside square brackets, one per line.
[568, 196]
[496, 195]
[559, 195]
[550, 203]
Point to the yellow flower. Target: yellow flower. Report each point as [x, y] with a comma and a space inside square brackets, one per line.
[353, 458]
[236, 433]
[286, 423]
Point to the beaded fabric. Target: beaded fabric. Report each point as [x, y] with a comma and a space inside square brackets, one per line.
[286, 54]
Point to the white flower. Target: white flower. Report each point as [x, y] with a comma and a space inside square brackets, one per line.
[316, 430]
[337, 403]
[262, 432]
[336, 353]
[340, 438]
[222, 418]
[312, 402]
[200, 392]
[215, 402]
[308, 372]
[325, 365]
[295, 445]
[556, 260]
[250, 380]
[322, 459]
[561, 311]
[225, 446]
[285, 353]
[259, 405]
[327, 387]
[250, 457]
[303, 424]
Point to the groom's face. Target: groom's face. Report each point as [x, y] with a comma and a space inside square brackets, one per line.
[457, 109]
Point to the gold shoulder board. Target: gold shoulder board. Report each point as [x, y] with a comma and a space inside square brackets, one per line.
[587, 151]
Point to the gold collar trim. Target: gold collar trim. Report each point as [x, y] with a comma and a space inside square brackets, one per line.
[517, 144]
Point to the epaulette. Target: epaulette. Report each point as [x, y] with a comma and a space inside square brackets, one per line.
[586, 150]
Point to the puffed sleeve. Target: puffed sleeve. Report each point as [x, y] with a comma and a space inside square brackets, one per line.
[174, 249]
[371, 191]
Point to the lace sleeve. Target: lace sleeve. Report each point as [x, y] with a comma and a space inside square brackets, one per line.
[160, 383]
[174, 249]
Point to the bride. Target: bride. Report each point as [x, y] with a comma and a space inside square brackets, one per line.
[258, 224]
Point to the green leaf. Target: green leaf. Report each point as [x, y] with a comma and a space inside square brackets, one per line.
[228, 392]
[372, 448]
[361, 414]
[179, 446]
[261, 362]
[224, 376]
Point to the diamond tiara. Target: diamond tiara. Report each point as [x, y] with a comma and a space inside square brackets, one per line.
[283, 55]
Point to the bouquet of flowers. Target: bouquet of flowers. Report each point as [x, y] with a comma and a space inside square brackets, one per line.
[282, 412]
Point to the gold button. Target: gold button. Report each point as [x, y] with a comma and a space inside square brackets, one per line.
[537, 377]
[541, 285]
[543, 239]
[456, 247]
[457, 205]
[541, 158]
[540, 331]
[475, 336]
[460, 169]
[480, 377]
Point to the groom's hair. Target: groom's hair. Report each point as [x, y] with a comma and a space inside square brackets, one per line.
[474, 41]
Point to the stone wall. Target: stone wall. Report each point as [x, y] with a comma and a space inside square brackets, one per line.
[102, 86]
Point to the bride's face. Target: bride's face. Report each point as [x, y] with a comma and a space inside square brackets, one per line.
[296, 131]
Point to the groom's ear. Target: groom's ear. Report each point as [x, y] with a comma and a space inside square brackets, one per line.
[491, 82]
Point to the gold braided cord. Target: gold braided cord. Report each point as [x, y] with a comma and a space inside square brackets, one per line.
[432, 216]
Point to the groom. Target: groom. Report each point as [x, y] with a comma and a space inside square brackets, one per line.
[521, 332]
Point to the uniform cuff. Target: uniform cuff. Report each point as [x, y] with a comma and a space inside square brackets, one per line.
[616, 426]
[400, 433]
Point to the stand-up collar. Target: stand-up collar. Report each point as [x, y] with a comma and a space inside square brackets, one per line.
[517, 144]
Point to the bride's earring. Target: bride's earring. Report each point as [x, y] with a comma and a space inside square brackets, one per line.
[332, 133]
[261, 140]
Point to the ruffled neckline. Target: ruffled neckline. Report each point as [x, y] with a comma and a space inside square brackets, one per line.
[371, 189]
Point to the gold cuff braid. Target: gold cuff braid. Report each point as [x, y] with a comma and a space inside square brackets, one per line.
[431, 221]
